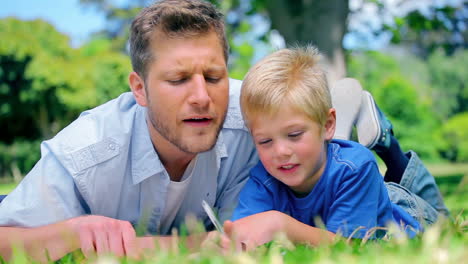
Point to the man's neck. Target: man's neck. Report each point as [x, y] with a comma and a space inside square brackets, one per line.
[176, 168]
[175, 161]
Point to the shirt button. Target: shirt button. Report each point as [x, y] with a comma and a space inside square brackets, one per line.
[111, 146]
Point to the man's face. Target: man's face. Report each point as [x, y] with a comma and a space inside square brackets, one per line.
[187, 92]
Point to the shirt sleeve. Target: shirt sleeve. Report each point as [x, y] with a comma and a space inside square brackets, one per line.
[243, 157]
[253, 199]
[46, 195]
[356, 203]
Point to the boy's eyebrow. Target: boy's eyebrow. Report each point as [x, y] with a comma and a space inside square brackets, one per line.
[298, 126]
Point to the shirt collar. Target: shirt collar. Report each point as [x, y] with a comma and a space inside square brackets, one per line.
[145, 161]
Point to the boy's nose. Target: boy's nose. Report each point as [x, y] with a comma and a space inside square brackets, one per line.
[283, 150]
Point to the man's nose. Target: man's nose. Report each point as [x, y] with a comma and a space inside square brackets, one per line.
[199, 93]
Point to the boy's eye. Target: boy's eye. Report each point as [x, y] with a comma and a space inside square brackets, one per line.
[295, 134]
[264, 141]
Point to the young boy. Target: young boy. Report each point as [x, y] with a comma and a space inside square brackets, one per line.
[305, 178]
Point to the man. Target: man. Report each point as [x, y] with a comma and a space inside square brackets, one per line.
[150, 156]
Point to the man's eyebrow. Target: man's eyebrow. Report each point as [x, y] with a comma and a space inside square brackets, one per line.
[176, 71]
[215, 69]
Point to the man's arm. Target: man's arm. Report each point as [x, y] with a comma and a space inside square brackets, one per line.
[249, 232]
[36, 242]
[93, 234]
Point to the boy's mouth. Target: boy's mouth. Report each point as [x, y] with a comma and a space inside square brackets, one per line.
[288, 167]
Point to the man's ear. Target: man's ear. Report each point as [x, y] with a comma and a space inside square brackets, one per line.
[137, 85]
[330, 125]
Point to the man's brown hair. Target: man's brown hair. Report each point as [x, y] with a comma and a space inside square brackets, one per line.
[173, 18]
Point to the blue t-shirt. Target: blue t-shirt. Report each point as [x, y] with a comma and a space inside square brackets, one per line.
[350, 194]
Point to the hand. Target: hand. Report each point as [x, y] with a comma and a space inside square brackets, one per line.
[249, 232]
[103, 235]
[216, 241]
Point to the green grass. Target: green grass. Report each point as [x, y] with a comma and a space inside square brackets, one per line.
[6, 188]
[445, 242]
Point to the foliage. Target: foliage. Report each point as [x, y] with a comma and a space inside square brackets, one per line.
[404, 101]
[449, 80]
[26, 86]
[438, 27]
[45, 84]
[455, 138]
[18, 157]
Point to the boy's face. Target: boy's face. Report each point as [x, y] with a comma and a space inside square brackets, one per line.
[292, 147]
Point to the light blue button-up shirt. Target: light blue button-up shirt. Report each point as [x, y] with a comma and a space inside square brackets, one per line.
[104, 163]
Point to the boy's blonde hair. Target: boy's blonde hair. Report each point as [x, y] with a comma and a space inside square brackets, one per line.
[288, 75]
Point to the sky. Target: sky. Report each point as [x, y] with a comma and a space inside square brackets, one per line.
[68, 16]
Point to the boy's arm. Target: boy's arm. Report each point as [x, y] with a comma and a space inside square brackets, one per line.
[254, 230]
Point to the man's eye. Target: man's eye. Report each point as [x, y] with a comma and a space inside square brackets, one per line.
[177, 81]
[212, 79]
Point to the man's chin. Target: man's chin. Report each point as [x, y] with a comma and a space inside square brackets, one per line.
[199, 144]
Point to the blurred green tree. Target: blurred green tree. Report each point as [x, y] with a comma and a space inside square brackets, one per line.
[454, 138]
[28, 101]
[408, 107]
[323, 23]
[45, 84]
[449, 82]
[438, 27]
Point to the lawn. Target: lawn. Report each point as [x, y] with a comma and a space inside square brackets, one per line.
[6, 188]
[445, 242]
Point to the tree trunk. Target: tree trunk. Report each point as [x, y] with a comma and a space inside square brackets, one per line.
[318, 22]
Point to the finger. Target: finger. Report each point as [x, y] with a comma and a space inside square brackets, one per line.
[249, 245]
[129, 241]
[228, 227]
[210, 239]
[226, 244]
[116, 243]
[102, 241]
[243, 246]
[87, 243]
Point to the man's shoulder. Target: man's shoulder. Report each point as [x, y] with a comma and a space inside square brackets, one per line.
[96, 135]
[234, 118]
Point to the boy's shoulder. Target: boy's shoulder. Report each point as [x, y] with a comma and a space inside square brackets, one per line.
[259, 174]
[350, 154]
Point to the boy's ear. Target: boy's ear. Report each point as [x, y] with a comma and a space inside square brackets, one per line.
[330, 125]
[137, 85]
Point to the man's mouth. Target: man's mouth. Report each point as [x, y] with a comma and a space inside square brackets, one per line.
[198, 121]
